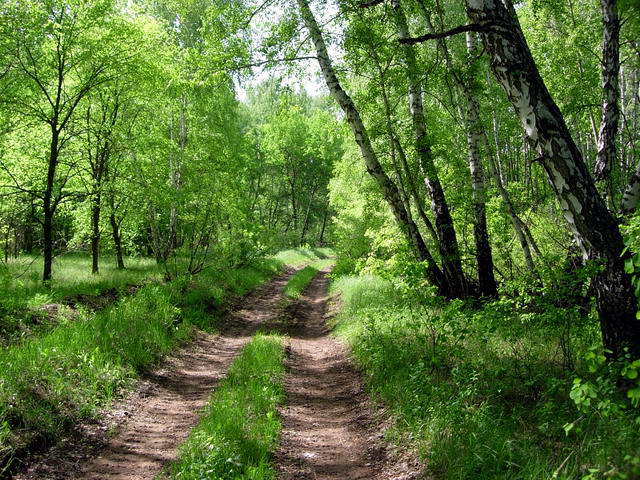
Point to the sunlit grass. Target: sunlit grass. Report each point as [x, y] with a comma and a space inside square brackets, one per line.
[299, 281]
[239, 428]
[300, 256]
[66, 373]
[22, 293]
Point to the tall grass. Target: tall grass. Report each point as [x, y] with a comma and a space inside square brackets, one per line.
[239, 428]
[47, 383]
[22, 293]
[480, 393]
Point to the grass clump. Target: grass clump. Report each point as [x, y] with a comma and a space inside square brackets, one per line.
[486, 392]
[239, 428]
[299, 281]
[50, 382]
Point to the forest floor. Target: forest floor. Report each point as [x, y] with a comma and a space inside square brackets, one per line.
[330, 429]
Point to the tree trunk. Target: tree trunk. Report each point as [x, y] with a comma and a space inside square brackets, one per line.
[95, 231]
[305, 224]
[324, 225]
[610, 90]
[117, 241]
[48, 205]
[593, 226]
[389, 189]
[484, 257]
[448, 242]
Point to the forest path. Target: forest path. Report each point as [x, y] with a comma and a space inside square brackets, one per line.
[329, 430]
[160, 414]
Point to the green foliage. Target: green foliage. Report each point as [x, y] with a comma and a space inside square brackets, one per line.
[239, 428]
[486, 393]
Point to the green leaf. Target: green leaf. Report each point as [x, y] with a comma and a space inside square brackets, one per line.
[628, 265]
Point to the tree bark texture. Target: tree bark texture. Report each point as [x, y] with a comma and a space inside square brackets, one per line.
[484, 258]
[117, 241]
[610, 90]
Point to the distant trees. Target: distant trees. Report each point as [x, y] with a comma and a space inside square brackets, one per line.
[126, 120]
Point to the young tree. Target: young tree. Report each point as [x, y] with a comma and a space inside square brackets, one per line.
[59, 54]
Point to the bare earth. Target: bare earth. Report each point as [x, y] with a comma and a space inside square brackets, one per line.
[329, 432]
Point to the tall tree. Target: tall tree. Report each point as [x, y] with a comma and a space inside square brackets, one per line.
[595, 229]
[60, 53]
[375, 169]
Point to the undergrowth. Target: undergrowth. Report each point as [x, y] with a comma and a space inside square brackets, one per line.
[239, 428]
[491, 392]
[23, 296]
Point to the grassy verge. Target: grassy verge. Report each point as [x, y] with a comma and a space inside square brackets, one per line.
[23, 295]
[485, 393]
[298, 282]
[51, 381]
[239, 428]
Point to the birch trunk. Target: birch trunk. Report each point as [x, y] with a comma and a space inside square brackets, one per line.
[374, 168]
[610, 90]
[448, 242]
[484, 257]
[595, 229]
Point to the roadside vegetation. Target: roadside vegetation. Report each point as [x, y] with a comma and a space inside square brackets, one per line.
[239, 428]
[28, 306]
[506, 390]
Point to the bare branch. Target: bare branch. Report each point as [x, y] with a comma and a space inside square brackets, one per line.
[472, 27]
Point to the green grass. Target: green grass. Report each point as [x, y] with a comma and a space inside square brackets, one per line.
[239, 428]
[482, 393]
[300, 256]
[23, 293]
[47, 383]
[51, 381]
[299, 281]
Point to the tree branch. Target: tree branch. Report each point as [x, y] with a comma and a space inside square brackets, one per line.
[473, 27]
[372, 3]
